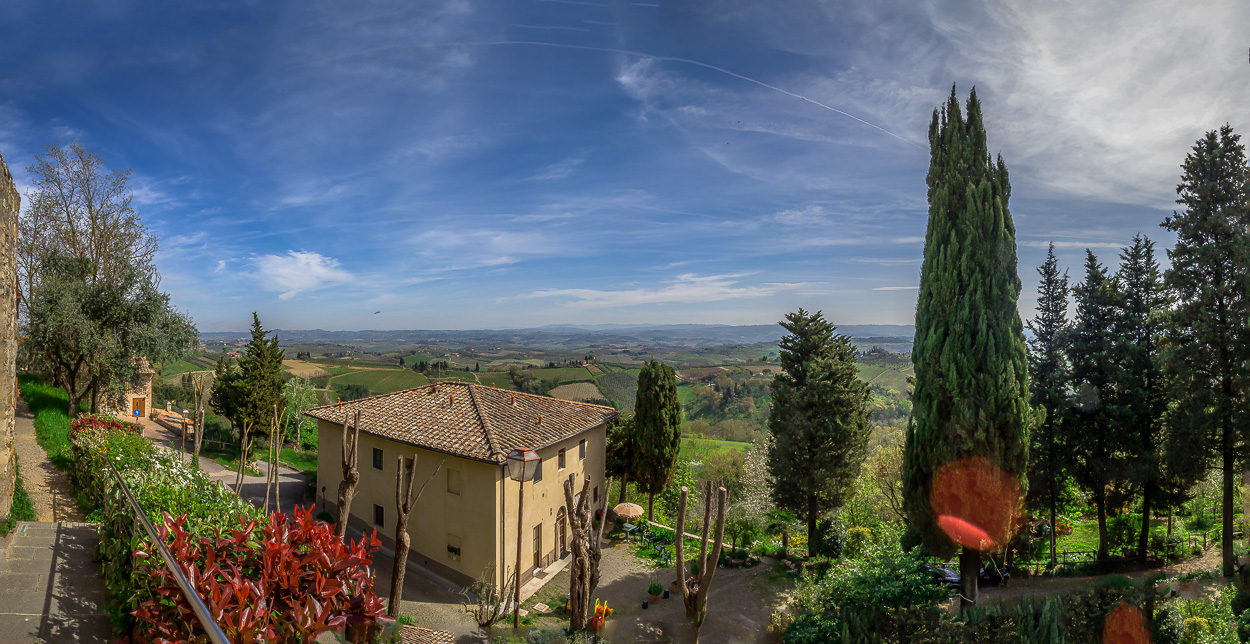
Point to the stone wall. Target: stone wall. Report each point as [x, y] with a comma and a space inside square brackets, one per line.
[10, 203]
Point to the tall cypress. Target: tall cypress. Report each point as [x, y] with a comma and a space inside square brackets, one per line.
[1100, 447]
[1208, 326]
[819, 420]
[1138, 336]
[657, 429]
[1049, 374]
[971, 393]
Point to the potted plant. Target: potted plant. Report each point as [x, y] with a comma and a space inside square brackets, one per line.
[655, 590]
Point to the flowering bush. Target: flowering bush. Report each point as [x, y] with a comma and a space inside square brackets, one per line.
[287, 581]
[86, 422]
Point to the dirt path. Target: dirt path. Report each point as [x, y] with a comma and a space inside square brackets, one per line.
[1038, 586]
[49, 488]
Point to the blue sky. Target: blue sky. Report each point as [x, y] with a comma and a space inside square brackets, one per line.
[466, 164]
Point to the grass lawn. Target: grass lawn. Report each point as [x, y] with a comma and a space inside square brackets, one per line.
[694, 446]
[48, 404]
[21, 509]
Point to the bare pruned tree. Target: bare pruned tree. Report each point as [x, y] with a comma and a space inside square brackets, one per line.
[351, 475]
[404, 503]
[694, 587]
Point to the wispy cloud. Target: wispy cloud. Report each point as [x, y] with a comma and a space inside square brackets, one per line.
[558, 170]
[1071, 244]
[896, 288]
[687, 288]
[298, 272]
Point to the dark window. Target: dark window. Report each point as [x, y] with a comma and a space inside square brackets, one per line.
[379, 516]
[538, 471]
[596, 497]
[581, 449]
[377, 459]
[561, 458]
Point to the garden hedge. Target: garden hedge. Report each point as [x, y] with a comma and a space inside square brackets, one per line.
[300, 576]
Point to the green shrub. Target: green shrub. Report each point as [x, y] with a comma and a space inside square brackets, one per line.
[830, 537]
[21, 509]
[856, 538]
[1122, 530]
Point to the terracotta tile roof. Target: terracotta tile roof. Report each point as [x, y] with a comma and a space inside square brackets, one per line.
[416, 635]
[469, 420]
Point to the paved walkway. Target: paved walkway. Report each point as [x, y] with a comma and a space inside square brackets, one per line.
[49, 488]
[50, 589]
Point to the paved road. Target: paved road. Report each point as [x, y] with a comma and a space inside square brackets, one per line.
[292, 486]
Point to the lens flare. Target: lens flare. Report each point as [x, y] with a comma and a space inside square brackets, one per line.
[976, 502]
[1125, 625]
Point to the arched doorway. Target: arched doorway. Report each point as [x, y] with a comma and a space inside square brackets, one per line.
[560, 532]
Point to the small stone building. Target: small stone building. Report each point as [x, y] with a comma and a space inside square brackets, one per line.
[10, 203]
[138, 396]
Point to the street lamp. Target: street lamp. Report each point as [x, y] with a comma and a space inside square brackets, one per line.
[522, 463]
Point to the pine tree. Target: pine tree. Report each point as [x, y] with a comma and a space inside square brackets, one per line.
[1049, 374]
[657, 426]
[819, 420]
[1208, 326]
[971, 393]
[1101, 449]
[621, 454]
[258, 388]
[1138, 335]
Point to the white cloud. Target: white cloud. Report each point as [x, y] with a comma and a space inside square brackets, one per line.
[1071, 244]
[684, 289]
[558, 170]
[896, 288]
[221, 266]
[297, 272]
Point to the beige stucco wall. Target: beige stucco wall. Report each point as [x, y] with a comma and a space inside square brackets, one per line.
[544, 499]
[10, 203]
[476, 515]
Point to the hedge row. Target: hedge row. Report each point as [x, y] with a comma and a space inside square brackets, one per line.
[269, 578]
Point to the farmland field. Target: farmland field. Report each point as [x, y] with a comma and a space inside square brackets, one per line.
[694, 447]
[382, 381]
[576, 391]
[621, 387]
[302, 369]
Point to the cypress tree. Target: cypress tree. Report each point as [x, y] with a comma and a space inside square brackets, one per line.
[819, 420]
[971, 393]
[657, 429]
[1049, 374]
[1101, 449]
[1208, 281]
[1140, 327]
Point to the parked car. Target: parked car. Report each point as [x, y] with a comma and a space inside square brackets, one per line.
[944, 576]
[995, 575]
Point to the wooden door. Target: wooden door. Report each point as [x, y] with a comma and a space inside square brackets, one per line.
[139, 404]
[538, 545]
[560, 531]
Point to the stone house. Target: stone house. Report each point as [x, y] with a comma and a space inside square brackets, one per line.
[467, 517]
[138, 395]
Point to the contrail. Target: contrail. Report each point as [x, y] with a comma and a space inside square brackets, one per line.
[688, 61]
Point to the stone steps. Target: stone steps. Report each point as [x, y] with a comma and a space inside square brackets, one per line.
[50, 589]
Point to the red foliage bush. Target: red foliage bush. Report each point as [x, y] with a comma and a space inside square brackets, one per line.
[288, 584]
[88, 421]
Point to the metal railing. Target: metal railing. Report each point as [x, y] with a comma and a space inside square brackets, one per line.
[210, 626]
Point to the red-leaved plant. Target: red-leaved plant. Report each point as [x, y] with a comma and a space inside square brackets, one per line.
[89, 421]
[288, 584]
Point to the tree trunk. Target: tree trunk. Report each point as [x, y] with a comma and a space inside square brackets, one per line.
[785, 542]
[1143, 540]
[624, 484]
[95, 399]
[969, 569]
[651, 506]
[1167, 541]
[1226, 529]
[351, 475]
[812, 548]
[404, 502]
[582, 560]
[1100, 502]
[1054, 561]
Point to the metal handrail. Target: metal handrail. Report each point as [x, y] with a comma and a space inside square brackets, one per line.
[209, 625]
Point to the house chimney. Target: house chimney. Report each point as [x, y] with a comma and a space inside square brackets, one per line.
[514, 400]
[453, 399]
[540, 419]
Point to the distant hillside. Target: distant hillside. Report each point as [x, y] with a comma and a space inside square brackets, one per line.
[565, 336]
